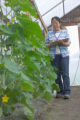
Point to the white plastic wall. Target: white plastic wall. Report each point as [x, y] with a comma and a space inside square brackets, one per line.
[74, 56]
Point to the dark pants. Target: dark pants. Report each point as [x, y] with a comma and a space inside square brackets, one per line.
[63, 80]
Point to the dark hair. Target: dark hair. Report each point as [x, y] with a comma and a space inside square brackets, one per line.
[57, 18]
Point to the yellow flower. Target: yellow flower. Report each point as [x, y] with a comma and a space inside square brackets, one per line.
[19, 42]
[5, 99]
[5, 48]
[13, 19]
[11, 58]
[8, 23]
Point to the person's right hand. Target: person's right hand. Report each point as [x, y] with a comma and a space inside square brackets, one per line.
[51, 42]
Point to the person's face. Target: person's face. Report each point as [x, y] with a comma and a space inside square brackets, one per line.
[56, 24]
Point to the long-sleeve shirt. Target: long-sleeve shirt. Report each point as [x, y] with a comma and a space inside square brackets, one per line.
[53, 50]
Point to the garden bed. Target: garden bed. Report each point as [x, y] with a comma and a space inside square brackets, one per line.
[56, 109]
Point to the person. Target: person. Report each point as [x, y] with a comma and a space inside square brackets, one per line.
[58, 42]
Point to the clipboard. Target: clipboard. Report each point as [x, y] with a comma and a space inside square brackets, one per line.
[65, 40]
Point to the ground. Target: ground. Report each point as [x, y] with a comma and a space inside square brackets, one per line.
[56, 109]
[60, 109]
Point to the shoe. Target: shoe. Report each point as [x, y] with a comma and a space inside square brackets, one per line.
[58, 95]
[66, 96]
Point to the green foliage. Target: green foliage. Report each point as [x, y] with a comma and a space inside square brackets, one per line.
[0, 112]
[21, 5]
[26, 72]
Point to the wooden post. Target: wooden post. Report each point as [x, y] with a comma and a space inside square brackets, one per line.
[40, 17]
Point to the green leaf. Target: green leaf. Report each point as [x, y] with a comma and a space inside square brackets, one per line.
[24, 4]
[1, 91]
[12, 66]
[8, 109]
[32, 65]
[53, 75]
[35, 76]
[26, 86]
[17, 8]
[36, 94]
[28, 113]
[6, 30]
[0, 61]
[25, 77]
[25, 21]
[42, 52]
[1, 111]
[47, 96]
[55, 87]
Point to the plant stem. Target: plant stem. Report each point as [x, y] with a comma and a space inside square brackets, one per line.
[3, 79]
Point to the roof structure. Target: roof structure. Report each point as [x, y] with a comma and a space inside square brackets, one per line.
[65, 9]
[73, 17]
[68, 10]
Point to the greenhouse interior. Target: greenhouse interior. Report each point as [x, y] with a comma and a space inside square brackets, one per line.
[37, 81]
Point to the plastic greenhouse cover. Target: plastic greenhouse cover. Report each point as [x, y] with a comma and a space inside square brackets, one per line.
[44, 7]
[50, 8]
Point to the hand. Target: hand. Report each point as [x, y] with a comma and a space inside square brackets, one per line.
[59, 42]
[52, 42]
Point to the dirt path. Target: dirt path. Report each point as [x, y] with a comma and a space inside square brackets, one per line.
[60, 109]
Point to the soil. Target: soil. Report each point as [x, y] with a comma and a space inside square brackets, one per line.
[56, 109]
[63, 109]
